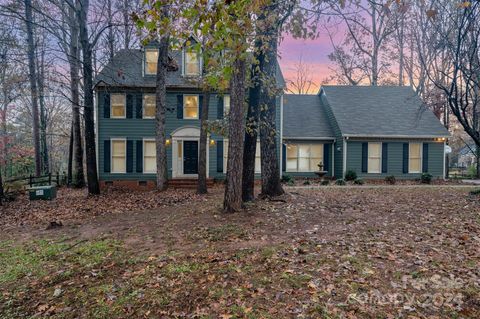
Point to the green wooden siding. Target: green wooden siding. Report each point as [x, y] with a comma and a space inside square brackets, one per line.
[338, 145]
[395, 159]
[137, 129]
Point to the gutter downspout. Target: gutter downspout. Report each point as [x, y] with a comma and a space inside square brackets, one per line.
[344, 157]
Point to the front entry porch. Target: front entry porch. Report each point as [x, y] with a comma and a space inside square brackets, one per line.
[185, 151]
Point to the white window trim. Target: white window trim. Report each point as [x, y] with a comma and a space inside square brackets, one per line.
[145, 69]
[297, 170]
[143, 155]
[124, 106]
[410, 171]
[225, 112]
[380, 159]
[198, 107]
[143, 108]
[124, 140]
[225, 157]
[184, 64]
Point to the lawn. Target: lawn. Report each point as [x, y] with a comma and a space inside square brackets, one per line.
[316, 253]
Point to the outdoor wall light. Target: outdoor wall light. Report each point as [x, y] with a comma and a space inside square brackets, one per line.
[212, 142]
[168, 142]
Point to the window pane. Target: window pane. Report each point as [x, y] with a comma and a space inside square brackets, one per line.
[374, 165]
[149, 105]
[374, 149]
[314, 161]
[303, 164]
[304, 151]
[118, 165]
[118, 148]
[258, 164]
[291, 151]
[151, 58]
[149, 148]
[415, 150]
[117, 104]
[192, 63]
[316, 150]
[414, 166]
[190, 106]
[150, 164]
[292, 164]
[226, 104]
[118, 111]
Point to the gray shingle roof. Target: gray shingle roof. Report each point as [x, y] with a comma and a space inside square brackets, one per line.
[126, 69]
[390, 111]
[304, 117]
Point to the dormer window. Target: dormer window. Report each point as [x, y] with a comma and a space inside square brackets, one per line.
[191, 63]
[151, 58]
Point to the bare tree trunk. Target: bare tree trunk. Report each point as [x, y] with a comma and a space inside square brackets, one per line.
[70, 158]
[401, 40]
[236, 130]
[33, 86]
[374, 80]
[78, 175]
[92, 177]
[251, 132]
[1, 186]
[43, 118]
[203, 149]
[161, 103]
[126, 23]
[271, 184]
[110, 36]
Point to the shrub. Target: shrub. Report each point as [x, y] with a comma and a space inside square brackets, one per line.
[359, 181]
[426, 178]
[287, 178]
[350, 175]
[475, 192]
[472, 171]
[390, 179]
[340, 182]
[306, 182]
[325, 182]
[291, 182]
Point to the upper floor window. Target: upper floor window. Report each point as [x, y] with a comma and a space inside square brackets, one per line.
[190, 107]
[149, 106]
[226, 104]
[415, 158]
[151, 58]
[374, 157]
[117, 106]
[304, 157]
[192, 63]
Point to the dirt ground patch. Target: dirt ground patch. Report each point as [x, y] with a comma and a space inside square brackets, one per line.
[324, 253]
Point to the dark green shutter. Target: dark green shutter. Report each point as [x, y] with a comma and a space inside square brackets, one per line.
[106, 105]
[138, 106]
[129, 156]
[384, 157]
[405, 158]
[106, 156]
[129, 106]
[220, 156]
[364, 157]
[179, 106]
[139, 156]
[220, 108]
[284, 157]
[200, 106]
[425, 158]
[326, 157]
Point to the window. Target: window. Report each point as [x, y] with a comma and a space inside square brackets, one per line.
[119, 156]
[304, 157]
[149, 156]
[190, 107]
[226, 104]
[374, 157]
[149, 106]
[117, 105]
[151, 58]
[258, 164]
[415, 158]
[192, 63]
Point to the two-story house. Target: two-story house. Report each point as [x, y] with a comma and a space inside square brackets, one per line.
[125, 115]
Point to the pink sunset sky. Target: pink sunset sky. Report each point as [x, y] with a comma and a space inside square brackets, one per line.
[314, 53]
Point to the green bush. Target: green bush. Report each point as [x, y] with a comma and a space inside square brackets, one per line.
[306, 182]
[475, 192]
[359, 181]
[472, 171]
[390, 179]
[340, 182]
[350, 175]
[426, 178]
[325, 182]
[291, 182]
[287, 178]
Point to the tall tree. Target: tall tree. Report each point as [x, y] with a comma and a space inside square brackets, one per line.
[87, 48]
[302, 81]
[203, 148]
[33, 85]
